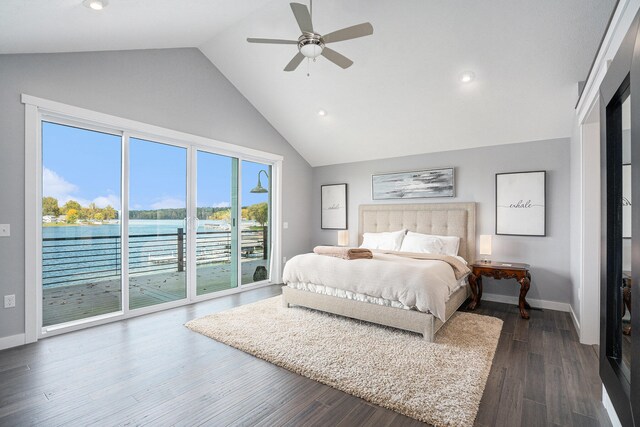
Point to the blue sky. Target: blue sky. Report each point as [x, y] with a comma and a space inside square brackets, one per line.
[85, 166]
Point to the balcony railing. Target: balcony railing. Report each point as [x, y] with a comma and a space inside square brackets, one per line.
[81, 260]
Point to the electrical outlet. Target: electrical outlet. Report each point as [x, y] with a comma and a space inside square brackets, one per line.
[5, 230]
[285, 225]
[284, 259]
[9, 301]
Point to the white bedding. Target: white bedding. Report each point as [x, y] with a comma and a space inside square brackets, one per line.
[424, 285]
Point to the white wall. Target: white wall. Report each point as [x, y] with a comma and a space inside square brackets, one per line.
[575, 213]
[177, 89]
[475, 171]
[585, 228]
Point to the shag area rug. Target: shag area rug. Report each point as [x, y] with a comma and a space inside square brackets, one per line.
[439, 383]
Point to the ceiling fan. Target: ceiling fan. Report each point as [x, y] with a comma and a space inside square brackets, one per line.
[311, 44]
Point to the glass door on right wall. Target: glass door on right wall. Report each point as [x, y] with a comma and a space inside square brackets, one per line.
[620, 224]
[255, 226]
[625, 291]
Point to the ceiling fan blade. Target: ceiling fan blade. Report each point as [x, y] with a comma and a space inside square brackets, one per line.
[271, 41]
[337, 58]
[301, 13]
[293, 64]
[349, 33]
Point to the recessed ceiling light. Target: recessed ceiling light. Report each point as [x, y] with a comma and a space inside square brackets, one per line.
[96, 4]
[322, 113]
[467, 76]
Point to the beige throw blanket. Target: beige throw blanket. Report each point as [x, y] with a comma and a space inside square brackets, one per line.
[343, 252]
[460, 269]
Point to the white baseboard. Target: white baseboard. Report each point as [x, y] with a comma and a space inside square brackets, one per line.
[537, 303]
[611, 411]
[12, 341]
[576, 322]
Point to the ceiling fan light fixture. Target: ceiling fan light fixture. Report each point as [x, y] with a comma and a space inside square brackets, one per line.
[310, 45]
[322, 113]
[95, 4]
[311, 50]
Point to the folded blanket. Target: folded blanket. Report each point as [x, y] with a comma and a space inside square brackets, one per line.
[343, 252]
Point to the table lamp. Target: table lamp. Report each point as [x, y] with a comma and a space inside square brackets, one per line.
[485, 247]
[343, 238]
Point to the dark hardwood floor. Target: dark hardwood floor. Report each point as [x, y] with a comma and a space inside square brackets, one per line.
[151, 370]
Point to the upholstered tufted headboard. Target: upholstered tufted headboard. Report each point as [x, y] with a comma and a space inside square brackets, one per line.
[445, 219]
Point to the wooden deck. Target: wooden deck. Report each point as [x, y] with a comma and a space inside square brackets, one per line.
[72, 302]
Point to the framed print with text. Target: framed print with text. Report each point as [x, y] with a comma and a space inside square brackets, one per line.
[333, 202]
[521, 203]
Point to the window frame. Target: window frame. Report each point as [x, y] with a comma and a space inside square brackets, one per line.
[38, 110]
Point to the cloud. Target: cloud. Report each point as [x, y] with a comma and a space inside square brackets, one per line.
[168, 203]
[221, 205]
[53, 185]
[104, 201]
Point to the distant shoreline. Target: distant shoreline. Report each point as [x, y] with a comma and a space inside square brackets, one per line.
[64, 224]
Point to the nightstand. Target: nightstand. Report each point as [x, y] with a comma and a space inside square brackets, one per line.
[500, 270]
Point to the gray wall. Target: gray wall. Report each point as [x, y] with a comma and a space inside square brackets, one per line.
[174, 88]
[475, 181]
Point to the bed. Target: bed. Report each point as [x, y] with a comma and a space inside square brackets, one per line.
[448, 219]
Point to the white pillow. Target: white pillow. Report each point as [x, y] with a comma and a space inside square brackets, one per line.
[450, 244]
[387, 241]
[421, 243]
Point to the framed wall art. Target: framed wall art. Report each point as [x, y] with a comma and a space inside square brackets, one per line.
[333, 202]
[521, 203]
[413, 185]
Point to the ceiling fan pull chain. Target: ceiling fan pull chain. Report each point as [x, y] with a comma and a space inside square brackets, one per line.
[308, 73]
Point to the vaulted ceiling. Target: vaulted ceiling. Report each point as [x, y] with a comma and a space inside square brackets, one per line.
[402, 96]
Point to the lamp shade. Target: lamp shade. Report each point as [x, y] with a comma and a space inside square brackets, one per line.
[343, 238]
[485, 244]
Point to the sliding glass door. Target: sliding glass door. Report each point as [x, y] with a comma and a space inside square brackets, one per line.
[256, 222]
[157, 223]
[193, 223]
[81, 231]
[217, 222]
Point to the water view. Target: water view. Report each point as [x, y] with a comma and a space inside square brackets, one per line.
[83, 259]
[94, 250]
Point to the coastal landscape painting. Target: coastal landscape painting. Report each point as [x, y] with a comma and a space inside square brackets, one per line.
[413, 185]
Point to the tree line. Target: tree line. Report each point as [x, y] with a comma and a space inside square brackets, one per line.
[173, 213]
[258, 212]
[74, 212]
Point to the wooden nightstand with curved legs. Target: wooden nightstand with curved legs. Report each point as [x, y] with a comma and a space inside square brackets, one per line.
[500, 270]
